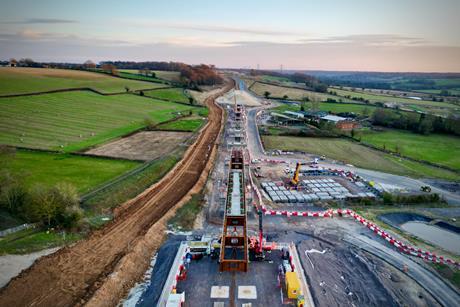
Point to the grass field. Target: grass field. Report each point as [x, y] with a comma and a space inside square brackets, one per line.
[141, 78]
[173, 76]
[268, 78]
[32, 240]
[132, 185]
[78, 120]
[173, 94]
[292, 93]
[435, 148]
[384, 98]
[50, 169]
[15, 80]
[331, 107]
[184, 124]
[357, 155]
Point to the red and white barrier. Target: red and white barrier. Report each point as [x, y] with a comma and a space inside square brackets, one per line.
[403, 247]
[180, 267]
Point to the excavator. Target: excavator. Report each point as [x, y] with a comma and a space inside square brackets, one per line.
[295, 179]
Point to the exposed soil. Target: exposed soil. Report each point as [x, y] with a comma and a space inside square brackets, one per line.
[242, 97]
[12, 265]
[72, 275]
[145, 145]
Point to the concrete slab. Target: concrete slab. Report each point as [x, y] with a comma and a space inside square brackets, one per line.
[247, 292]
[219, 291]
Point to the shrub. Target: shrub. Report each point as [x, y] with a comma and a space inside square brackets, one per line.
[55, 206]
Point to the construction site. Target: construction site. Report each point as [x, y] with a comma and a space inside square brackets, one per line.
[274, 230]
[269, 237]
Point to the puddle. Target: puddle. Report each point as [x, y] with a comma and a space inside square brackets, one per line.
[446, 239]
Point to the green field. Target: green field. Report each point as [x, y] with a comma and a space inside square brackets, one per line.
[141, 78]
[77, 120]
[32, 240]
[268, 78]
[292, 93]
[16, 80]
[385, 98]
[436, 148]
[173, 76]
[353, 153]
[50, 169]
[172, 94]
[331, 107]
[184, 124]
[131, 186]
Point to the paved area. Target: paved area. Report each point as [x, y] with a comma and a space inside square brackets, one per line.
[205, 285]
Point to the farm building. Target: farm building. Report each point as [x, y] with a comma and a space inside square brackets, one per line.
[294, 114]
[284, 119]
[341, 122]
[314, 114]
[13, 63]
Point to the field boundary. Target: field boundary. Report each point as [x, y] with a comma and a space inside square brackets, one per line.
[169, 100]
[76, 89]
[137, 170]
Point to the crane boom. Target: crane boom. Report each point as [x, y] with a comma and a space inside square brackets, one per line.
[295, 178]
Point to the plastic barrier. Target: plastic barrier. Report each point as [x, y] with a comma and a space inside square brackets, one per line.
[180, 268]
[403, 247]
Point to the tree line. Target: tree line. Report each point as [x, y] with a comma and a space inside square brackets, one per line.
[56, 206]
[192, 75]
[419, 123]
[310, 82]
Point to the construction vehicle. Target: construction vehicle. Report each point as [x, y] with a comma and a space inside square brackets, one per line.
[292, 285]
[295, 179]
[425, 188]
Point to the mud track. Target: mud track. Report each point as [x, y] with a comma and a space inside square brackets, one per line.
[73, 274]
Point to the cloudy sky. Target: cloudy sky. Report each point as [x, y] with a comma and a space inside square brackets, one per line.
[371, 35]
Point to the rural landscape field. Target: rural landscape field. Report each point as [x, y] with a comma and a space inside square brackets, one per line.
[289, 153]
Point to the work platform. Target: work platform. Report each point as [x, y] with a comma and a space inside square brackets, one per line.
[206, 286]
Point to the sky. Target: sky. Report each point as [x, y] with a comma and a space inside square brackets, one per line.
[357, 35]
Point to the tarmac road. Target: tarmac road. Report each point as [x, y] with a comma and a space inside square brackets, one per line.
[442, 292]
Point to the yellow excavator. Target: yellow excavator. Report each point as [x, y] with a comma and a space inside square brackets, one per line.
[295, 179]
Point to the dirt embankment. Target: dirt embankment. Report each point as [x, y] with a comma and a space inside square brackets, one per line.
[99, 269]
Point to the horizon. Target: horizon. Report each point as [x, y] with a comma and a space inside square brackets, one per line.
[357, 36]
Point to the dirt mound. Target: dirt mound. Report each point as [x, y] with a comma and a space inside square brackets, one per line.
[242, 97]
[72, 275]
